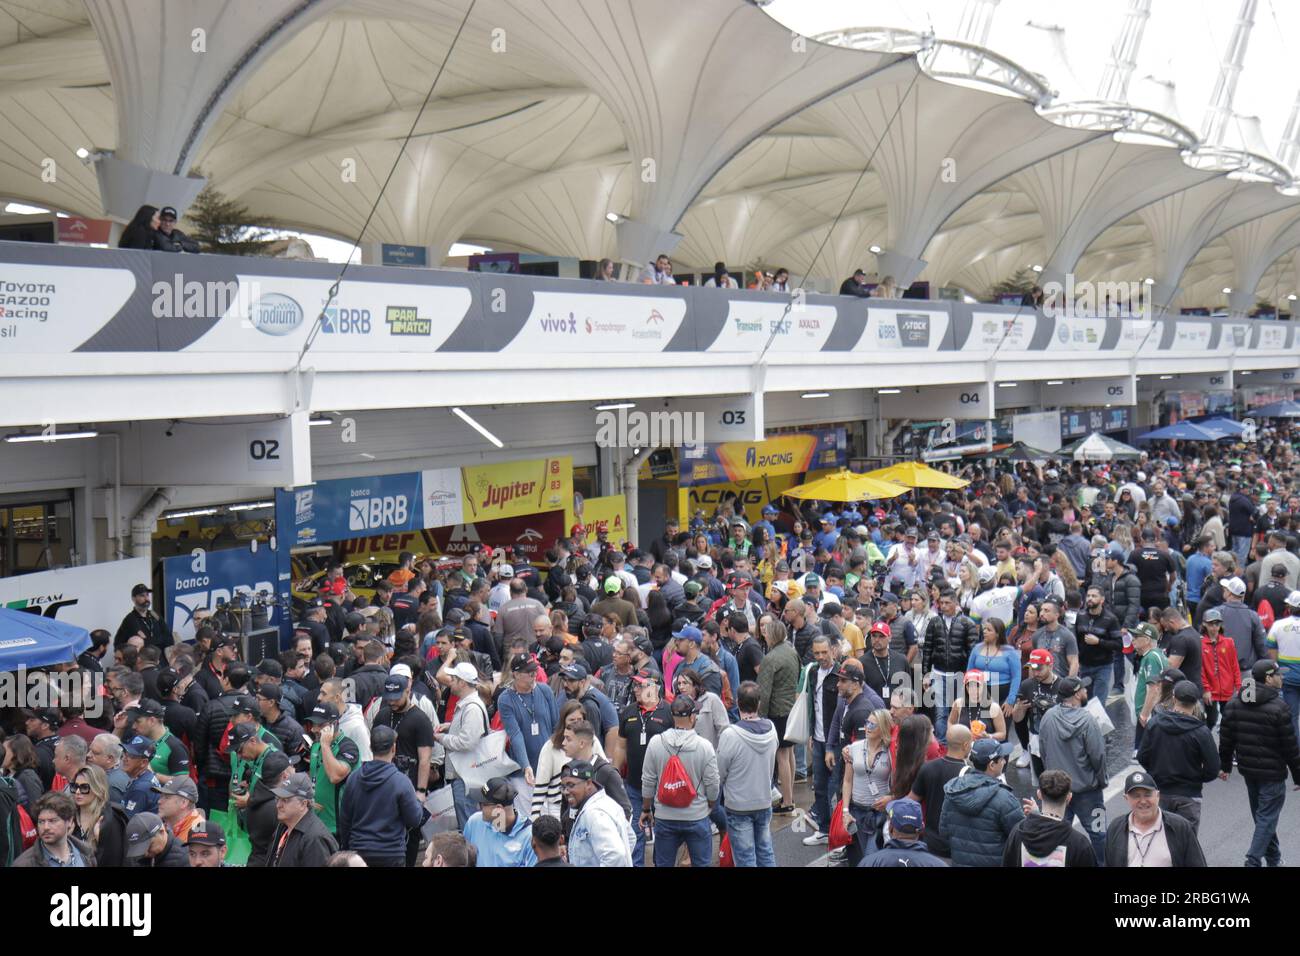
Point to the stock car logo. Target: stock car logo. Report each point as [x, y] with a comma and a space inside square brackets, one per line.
[913, 330]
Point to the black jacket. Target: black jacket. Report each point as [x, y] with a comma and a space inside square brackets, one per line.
[1184, 848]
[1241, 516]
[212, 724]
[1042, 836]
[111, 848]
[174, 854]
[33, 857]
[1259, 734]
[176, 242]
[1178, 751]
[368, 683]
[948, 648]
[1123, 596]
[804, 637]
[153, 629]
[310, 843]
[1105, 627]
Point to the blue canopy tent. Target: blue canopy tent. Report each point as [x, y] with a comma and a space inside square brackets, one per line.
[1276, 410]
[1226, 427]
[29, 640]
[1182, 431]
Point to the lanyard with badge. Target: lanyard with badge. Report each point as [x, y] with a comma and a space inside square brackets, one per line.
[533, 728]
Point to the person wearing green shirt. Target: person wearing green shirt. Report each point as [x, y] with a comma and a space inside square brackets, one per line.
[334, 755]
[171, 759]
[1151, 664]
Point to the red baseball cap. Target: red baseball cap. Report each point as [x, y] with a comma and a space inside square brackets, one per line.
[1041, 657]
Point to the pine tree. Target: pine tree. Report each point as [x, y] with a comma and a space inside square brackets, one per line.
[225, 226]
[1018, 284]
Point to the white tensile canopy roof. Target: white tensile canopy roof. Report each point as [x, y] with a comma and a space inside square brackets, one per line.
[708, 129]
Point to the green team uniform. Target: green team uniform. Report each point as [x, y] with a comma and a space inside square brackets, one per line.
[1149, 668]
[170, 758]
[328, 794]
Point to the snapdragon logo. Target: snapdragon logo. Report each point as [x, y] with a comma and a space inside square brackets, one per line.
[1084, 299]
[78, 910]
[622, 428]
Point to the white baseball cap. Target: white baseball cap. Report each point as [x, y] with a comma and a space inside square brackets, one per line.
[987, 573]
[1233, 586]
[704, 561]
[1293, 599]
[400, 670]
[466, 672]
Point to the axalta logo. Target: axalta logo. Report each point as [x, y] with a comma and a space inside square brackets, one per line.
[275, 314]
[338, 321]
[498, 496]
[810, 323]
[386, 511]
[562, 325]
[754, 460]
[403, 320]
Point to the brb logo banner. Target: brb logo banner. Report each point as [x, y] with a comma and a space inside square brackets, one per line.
[352, 507]
[199, 581]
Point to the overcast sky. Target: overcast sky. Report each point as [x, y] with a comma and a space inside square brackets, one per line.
[1184, 42]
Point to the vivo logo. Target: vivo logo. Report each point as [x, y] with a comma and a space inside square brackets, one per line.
[561, 325]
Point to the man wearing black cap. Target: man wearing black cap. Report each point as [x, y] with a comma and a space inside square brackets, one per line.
[414, 735]
[140, 794]
[598, 708]
[502, 836]
[276, 720]
[300, 838]
[600, 835]
[528, 713]
[168, 237]
[142, 622]
[906, 844]
[171, 759]
[379, 807]
[1071, 741]
[640, 722]
[1178, 750]
[1258, 731]
[150, 843]
[1148, 837]
[333, 757]
[206, 844]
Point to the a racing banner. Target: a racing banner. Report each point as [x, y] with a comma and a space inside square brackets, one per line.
[782, 455]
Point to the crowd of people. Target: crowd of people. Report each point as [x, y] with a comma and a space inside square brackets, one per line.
[154, 228]
[622, 706]
[660, 272]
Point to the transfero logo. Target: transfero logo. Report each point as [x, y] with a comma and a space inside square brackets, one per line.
[275, 314]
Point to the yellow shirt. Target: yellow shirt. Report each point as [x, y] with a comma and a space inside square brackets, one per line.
[853, 634]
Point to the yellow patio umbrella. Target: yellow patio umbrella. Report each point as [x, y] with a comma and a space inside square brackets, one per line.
[914, 474]
[846, 486]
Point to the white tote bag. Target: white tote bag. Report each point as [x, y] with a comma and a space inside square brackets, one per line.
[1098, 711]
[488, 759]
[797, 728]
[442, 813]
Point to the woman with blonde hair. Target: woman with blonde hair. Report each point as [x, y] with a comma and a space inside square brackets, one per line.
[1064, 569]
[100, 823]
[868, 782]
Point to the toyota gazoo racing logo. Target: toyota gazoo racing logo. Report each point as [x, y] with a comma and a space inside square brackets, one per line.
[275, 314]
[561, 325]
[366, 513]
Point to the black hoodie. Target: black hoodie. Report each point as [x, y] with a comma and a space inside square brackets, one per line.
[1178, 751]
[1048, 842]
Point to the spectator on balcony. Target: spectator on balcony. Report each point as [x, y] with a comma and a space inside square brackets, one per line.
[887, 289]
[142, 231]
[720, 278]
[781, 281]
[605, 271]
[661, 272]
[171, 239]
[762, 281]
[1033, 298]
[855, 284]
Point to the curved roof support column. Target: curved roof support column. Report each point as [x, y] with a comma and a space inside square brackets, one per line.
[640, 242]
[173, 64]
[903, 268]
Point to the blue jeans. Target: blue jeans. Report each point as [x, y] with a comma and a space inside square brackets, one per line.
[800, 759]
[634, 798]
[1266, 800]
[821, 811]
[466, 807]
[1241, 548]
[1090, 807]
[671, 834]
[1101, 675]
[1291, 694]
[751, 837]
[945, 692]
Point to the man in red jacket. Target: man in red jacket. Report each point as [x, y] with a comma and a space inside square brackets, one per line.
[1220, 671]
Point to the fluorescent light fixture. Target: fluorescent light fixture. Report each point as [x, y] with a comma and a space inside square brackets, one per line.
[1036, 268]
[366, 455]
[82, 152]
[875, 250]
[614, 217]
[253, 506]
[1244, 373]
[1165, 378]
[196, 513]
[22, 209]
[1226, 290]
[1055, 381]
[614, 406]
[1291, 297]
[815, 395]
[55, 436]
[889, 391]
[1148, 281]
[464, 416]
[320, 420]
[1108, 404]
[1007, 384]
